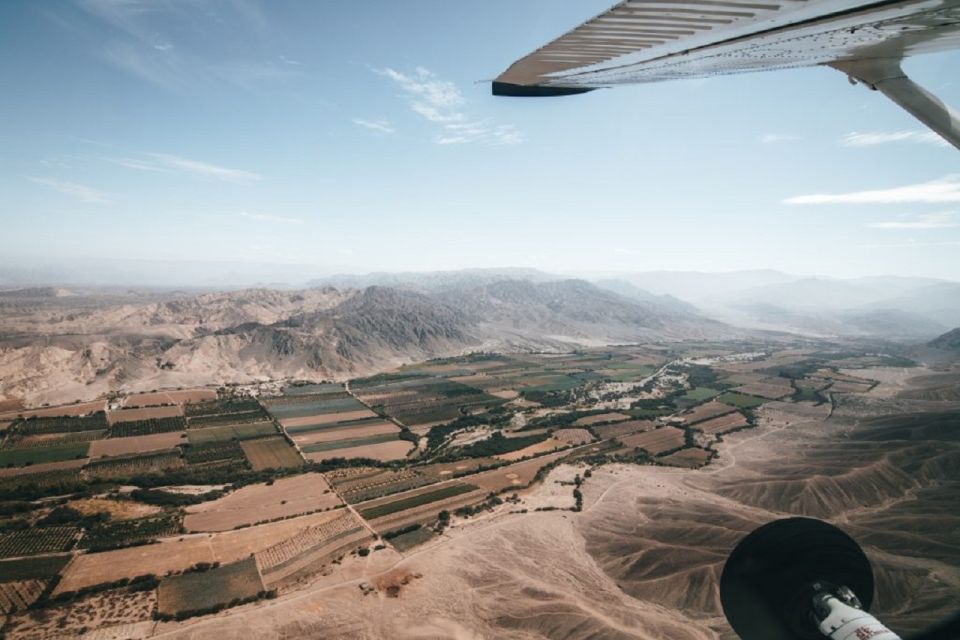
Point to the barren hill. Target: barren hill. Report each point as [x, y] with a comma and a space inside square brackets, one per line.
[57, 352]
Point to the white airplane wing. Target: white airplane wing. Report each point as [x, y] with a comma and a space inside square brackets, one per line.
[651, 40]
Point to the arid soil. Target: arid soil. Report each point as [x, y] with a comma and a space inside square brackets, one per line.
[642, 559]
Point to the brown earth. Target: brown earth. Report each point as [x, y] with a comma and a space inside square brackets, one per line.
[136, 444]
[259, 502]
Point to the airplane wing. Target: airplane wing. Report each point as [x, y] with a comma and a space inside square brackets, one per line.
[640, 41]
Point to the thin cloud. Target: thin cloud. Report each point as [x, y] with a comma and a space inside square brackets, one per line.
[263, 217]
[777, 138]
[441, 103]
[204, 169]
[74, 190]
[929, 221]
[946, 189]
[286, 60]
[873, 138]
[383, 126]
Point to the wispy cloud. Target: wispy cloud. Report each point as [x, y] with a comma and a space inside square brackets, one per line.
[79, 191]
[204, 169]
[777, 138]
[263, 217]
[946, 189]
[290, 61]
[383, 126]
[872, 138]
[928, 221]
[441, 103]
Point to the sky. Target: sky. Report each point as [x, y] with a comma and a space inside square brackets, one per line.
[358, 137]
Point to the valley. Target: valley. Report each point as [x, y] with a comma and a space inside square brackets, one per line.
[576, 494]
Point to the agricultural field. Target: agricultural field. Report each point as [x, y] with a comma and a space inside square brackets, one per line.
[19, 594]
[655, 442]
[177, 554]
[39, 568]
[144, 413]
[770, 388]
[206, 591]
[358, 484]
[379, 509]
[37, 540]
[117, 610]
[740, 401]
[624, 428]
[136, 444]
[272, 452]
[75, 410]
[705, 412]
[41, 425]
[722, 424]
[393, 449]
[181, 396]
[601, 418]
[147, 427]
[245, 431]
[689, 458]
[129, 466]
[285, 497]
[573, 436]
[40, 455]
[122, 533]
[311, 547]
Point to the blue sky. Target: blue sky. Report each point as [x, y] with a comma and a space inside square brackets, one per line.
[362, 136]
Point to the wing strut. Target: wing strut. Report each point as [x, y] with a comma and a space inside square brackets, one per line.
[886, 76]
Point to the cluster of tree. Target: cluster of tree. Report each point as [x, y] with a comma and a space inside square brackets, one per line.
[496, 444]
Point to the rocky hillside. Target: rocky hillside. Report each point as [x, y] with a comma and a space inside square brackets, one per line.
[57, 353]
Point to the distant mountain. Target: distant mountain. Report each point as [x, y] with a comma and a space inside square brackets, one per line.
[665, 301]
[698, 286]
[54, 354]
[427, 281]
[939, 302]
[949, 341]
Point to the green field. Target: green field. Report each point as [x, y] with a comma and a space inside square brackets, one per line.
[233, 432]
[200, 591]
[556, 383]
[38, 568]
[700, 394]
[308, 408]
[37, 455]
[307, 428]
[741, 401]
[449, 491]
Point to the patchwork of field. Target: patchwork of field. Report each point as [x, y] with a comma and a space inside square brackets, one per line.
[722, 424]
[129, 466]
[285, 497]
[706, 411]
[136, 444]
[334, 424]
[205, 590]
[655, 442]
[272, 452]
[418, 401]
[28, 542]
[177, 554]
[740, 401]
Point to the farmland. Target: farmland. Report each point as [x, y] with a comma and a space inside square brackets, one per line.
[283, 498]
[272, 452]
[270, 486]
[209, 590]
[30, 542]
[722, 424]
[655, 442]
